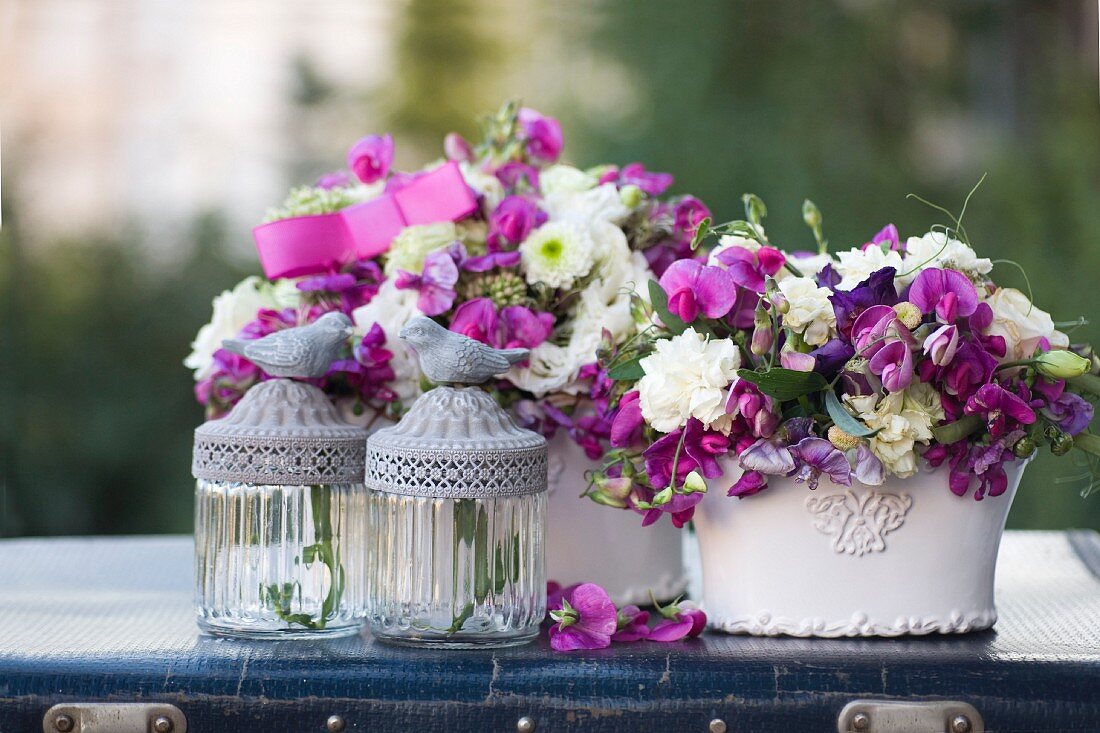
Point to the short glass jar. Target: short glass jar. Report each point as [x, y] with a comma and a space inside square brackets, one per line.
[456, 525]
[280, 518]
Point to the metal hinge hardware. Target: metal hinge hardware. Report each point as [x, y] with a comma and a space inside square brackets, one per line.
[107, 717]
[898, 716]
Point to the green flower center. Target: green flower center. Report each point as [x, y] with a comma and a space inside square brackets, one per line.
[551, 250]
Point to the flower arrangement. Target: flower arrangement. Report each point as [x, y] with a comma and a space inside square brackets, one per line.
[854, 366]
[500, 241]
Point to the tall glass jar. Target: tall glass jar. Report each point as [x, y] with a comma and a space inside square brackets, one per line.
[280, 517]
[456, 525]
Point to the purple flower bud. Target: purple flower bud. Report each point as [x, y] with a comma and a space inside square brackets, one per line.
[941, 345]
[455, 147]
[542, 135]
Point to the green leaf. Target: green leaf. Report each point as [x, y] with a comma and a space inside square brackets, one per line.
[659, 300]
[1087, 442]
[755, 210]
[628, 371]
[843, 419]
[953, 432]
[784, 384]
[701, 233]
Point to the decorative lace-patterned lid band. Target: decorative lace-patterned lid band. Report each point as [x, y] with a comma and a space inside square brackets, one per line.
[456, 474]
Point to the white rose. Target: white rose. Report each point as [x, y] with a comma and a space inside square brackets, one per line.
[391, 309]
[936, 250]
[1022, 324]
[811, 313]
[565, 179]
[599, 204]
[233, 309]
[903, 419]
[687, 376]
[856, 265]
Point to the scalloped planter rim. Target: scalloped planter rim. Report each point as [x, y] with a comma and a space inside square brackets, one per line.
[907, 557]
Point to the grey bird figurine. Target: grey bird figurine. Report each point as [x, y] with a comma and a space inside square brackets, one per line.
[447, 357]
[304, 351]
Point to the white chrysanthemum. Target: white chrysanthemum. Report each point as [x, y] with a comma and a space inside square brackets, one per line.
[856, 265]
[232, 310]
[565, 179]
[391, 308]
[1022, 324]
[936, 250]
[557, 253]
[903, 419]
[414, 243]
[603, 304]
[484, 184]
[687, 376]
[811, 313]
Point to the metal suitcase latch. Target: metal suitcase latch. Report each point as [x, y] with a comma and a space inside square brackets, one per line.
[106, 717]
[898, 716]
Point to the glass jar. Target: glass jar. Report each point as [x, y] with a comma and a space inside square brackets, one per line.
[460, 572]
[279, 560]
[280, 517]
[456, 525]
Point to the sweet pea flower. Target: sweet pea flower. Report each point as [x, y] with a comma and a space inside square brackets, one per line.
[688, 213]
[635, 174]
[515, 175]
[830, 357]
[524, 328]
[632, 624]
[797, 361]
[756, 409]
[751, 269]
[693, 287]
[947, 293]
[680, 620]
[512, 220]
[335, 179]
[893, 363]
[818, 456]
[542, 134]
[455, 147]
[771, 457]
[941, 345]
[477, 319]
[436, 283]
[848, 305]
[868, 469]
[626, 426]
[1071, 412]
[370, 157]
[997, 405]
[680, 509]
[699, 452]
[751, 482]
[888, 235]
[332, 283]
[586, 620]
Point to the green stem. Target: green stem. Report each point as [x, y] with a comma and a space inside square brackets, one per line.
[1087, 442]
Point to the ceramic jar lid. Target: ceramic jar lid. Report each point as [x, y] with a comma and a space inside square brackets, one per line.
[282, 432]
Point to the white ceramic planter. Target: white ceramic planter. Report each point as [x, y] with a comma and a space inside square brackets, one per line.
[610, 547]
[907, 557]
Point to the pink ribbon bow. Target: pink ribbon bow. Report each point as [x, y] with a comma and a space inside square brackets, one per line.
[303, 245]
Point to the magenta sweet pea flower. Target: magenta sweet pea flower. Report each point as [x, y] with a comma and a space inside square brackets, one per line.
[515, 176]
[941, 345]
[436, 284]
[542, 135]
[972, 367]
[998, 406]
[512, 220]
[680, 621]
[586, 620]
[758, 411]
[947, 293]
[751, 482]
[477, 319]
[695, 288]
[335, 179]
[818, 456]
[635, 174]
[456, 147]
[370, 157]
[632, 624]
[688, 213]
[751, 269]
[888, 235]
[626, 426]
[333, 283]
[523, 328]
[893, 363]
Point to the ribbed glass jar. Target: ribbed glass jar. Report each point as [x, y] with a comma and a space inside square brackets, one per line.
[456, 572]
[280, 561]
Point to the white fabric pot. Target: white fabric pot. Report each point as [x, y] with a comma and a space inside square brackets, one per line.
[907, 557]
[596, 544]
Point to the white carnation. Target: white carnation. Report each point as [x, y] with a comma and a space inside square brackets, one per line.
[414, 243]
[391, 308]
[856, 265]
[599, 204]
[811, 313]
[557, 253]
[233, 309]
[809, 265]
[687, 376]
[1022, 324]
[487, 186]
[936, 250]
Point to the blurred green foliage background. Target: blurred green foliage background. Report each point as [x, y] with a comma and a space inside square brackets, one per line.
[853, 104]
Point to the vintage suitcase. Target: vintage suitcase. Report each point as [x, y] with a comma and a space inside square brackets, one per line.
[98, 635]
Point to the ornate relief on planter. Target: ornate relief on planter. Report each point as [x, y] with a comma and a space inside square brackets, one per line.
[859, 521]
